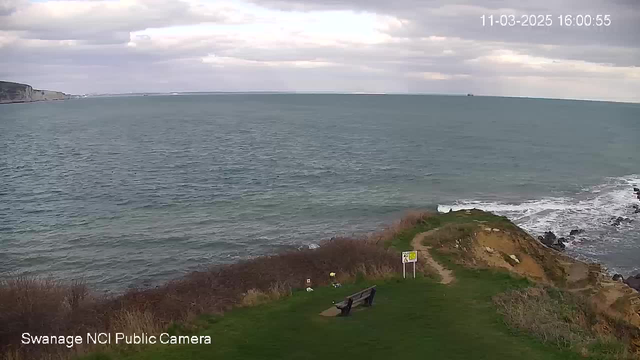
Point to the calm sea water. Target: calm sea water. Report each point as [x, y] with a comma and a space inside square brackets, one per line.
[137, 190]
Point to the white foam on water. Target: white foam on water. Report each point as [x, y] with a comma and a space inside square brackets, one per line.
[591, 210]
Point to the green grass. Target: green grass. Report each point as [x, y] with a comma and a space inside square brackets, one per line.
[402, 242]
[410, 319]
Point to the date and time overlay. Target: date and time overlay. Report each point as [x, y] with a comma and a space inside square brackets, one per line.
[567, 21]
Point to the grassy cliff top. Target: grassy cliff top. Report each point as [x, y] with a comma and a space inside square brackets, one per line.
[410, 318]
[495, 308]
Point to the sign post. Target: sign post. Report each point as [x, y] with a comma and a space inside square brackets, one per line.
[409, 257]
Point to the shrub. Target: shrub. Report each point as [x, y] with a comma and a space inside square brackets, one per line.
[43, 306]
[407, 222]
[566, 320]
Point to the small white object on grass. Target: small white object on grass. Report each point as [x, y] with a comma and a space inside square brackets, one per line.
[309, 289]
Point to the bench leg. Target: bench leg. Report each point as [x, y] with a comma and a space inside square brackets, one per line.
[369, 300]
[347, 309]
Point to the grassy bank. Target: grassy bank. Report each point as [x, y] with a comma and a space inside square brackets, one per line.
[258, 309]
[410, 318]
[48, 307]
[459, 222]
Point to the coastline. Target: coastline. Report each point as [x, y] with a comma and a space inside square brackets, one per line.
[469, 238]
[15, 93]
[596, 224]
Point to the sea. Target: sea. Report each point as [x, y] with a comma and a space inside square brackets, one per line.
[132, 191]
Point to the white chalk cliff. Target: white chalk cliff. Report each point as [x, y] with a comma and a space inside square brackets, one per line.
[11, 92]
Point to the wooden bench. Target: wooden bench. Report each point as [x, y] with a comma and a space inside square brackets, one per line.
[365, 297]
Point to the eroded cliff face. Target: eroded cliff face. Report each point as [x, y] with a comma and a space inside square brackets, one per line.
[482, 244]
[46, 95]
[14, 92]
[11, 92]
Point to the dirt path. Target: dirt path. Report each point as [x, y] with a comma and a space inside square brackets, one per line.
[446, 275]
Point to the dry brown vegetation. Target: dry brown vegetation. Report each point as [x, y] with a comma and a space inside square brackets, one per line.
[47, 307]
[407, 222]
[567, 320]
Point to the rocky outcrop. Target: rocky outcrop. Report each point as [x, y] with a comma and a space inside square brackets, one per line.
[633, 282]
[575, 232]
[11, 92]
[615, 302]
[549, 239]
[620, 220]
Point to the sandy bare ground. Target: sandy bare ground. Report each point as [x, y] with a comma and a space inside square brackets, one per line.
[446, 275]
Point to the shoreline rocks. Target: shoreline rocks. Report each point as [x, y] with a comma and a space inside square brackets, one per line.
[619, 220]
[550, 240]
[633, 282]
[575, 232]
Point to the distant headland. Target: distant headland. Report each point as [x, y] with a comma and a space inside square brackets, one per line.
[11, 92]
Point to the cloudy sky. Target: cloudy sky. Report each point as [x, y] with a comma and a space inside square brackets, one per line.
[372, 46]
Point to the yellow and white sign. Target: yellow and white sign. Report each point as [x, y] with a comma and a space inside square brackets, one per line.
[409, 257]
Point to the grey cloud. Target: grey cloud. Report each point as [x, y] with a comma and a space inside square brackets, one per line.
[101, 21]
[462, 19]
[8, 7]
[410, 61]
[398, 63]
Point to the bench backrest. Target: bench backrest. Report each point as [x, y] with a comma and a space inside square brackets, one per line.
[361, 294]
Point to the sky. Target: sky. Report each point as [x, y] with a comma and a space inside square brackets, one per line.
[346, 46]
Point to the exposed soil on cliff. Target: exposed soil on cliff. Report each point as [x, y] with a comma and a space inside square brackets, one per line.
[502, 245]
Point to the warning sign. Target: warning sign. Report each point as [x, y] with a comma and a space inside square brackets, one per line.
[409, 257]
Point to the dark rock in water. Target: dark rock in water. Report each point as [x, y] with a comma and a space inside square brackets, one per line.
[548, 239]
[575, 232]
[559, 245]
[633, 282]
[635, 189]
[618, 277]
[619, 220]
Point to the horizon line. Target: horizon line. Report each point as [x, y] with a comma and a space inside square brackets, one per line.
[272, 92]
